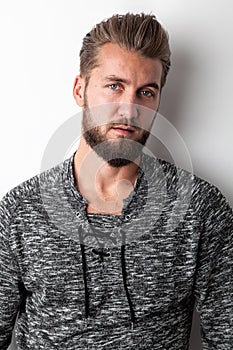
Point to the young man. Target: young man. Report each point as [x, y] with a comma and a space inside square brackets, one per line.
[110, 249]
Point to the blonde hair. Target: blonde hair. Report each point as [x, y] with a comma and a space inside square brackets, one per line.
[137, 32]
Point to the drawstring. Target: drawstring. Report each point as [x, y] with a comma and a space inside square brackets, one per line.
[101, 252]
[85, 280]
[84, 264]
[124, 275]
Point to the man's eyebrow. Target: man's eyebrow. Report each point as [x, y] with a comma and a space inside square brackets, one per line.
[122, 80]
[153, 85]
[115, 78]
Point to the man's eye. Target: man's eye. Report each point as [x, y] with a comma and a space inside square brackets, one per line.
[147, 93]
[114, 86]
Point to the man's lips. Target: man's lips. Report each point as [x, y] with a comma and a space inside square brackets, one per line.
[124, 129]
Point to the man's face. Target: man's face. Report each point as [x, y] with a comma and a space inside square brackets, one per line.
[119, 104]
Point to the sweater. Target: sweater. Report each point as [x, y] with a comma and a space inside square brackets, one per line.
[74, 280]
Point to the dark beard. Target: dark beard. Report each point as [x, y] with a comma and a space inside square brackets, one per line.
[118, 152]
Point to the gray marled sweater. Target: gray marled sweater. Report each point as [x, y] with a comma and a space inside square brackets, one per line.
[93, 282]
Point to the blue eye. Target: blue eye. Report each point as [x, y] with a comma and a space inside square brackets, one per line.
[147, 93]
[113, 86]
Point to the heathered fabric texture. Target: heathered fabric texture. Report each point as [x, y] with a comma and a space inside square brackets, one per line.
[171, 245]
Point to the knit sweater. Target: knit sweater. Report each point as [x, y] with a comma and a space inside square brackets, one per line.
[86, 281]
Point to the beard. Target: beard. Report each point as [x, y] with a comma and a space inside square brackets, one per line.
[116, 152]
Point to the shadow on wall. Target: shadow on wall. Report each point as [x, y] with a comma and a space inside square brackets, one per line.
[195, 338]
[174, 98]
[176, 89]
[13, 344]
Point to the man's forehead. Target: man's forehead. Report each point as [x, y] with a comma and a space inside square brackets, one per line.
[115, 60]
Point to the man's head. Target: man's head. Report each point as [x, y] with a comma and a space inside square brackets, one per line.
[123, 64]
[134, 32]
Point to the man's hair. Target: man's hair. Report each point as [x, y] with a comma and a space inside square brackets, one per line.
[135, 32]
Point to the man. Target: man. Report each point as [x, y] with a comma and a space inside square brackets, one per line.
[110, 249]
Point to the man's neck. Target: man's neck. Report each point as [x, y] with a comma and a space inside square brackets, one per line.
[102, 185]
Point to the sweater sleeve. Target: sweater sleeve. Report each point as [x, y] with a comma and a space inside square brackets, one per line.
[10, 295]
[213, 287]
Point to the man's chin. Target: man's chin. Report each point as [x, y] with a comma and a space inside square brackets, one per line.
[119, 162]
[116, 152]
[125, 153]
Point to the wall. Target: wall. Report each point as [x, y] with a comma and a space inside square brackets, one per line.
[39, 59]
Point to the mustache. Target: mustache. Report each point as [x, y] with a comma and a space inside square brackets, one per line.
[134, 122]
[124, 121]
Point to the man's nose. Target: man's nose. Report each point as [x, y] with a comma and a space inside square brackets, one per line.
[128, 109]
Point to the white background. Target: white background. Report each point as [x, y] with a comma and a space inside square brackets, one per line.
[40, 42]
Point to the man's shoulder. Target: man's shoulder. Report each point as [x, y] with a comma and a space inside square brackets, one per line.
[30, 190]
[185, 183]
[171, 172]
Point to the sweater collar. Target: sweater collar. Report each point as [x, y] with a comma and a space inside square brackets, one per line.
[76, 199]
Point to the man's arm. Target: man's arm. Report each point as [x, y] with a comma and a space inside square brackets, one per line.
[10, 296]
[213, 287]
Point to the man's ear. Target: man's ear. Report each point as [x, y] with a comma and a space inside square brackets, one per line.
[78, 90]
